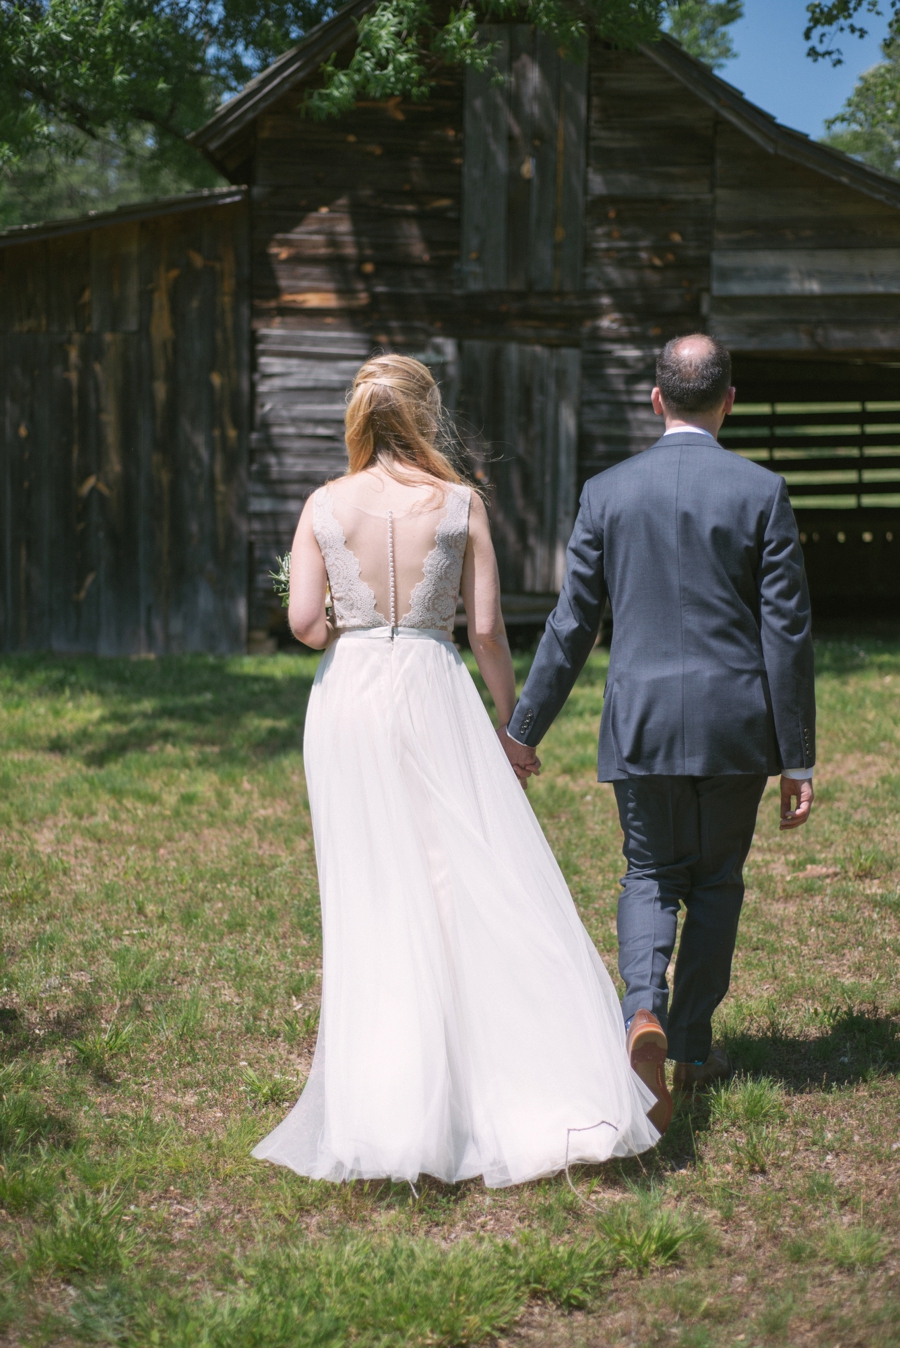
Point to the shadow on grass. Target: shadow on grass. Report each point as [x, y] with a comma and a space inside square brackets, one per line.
[21, 1037]
[240, 707]
[856, 1046]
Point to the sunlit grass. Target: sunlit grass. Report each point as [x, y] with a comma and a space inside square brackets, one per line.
[159, 993]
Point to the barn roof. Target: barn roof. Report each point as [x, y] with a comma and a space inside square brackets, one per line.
[765, 129]
[136, 210]
[234, 119]
[284, 74]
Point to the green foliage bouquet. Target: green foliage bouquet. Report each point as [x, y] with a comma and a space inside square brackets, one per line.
[281, 579]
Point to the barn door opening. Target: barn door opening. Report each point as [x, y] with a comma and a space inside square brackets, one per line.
[518, 414]
[831, 428]
[524, 166]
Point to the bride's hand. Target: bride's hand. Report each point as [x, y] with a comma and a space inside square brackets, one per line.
[524, 760]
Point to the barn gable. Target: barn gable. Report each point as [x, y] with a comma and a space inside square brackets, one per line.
[440, 229]
[536, 243]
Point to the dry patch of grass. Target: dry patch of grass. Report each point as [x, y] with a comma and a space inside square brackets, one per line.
[158, 1009]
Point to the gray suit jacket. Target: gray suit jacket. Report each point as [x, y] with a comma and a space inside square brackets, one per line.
[711, 666]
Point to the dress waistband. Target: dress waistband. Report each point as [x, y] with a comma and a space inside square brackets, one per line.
[388, 634]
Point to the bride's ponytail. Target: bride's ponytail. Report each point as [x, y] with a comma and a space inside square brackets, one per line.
[394, 415]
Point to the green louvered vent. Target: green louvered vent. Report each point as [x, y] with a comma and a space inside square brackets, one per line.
[841, 455]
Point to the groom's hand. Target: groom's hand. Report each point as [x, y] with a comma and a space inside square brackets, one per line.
[802, 792]
[524, 760]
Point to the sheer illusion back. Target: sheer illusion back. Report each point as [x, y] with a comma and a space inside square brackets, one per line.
[393, 552]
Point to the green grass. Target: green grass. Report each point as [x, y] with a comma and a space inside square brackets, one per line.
[159, 989]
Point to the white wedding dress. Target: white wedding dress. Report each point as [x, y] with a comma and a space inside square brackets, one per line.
[468, 1024]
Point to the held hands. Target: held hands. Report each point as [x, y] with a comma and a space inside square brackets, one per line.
[802, 792]
[524, 760]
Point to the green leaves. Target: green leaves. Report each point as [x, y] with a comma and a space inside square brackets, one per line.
[701, 28]
[868, 125]
[401, 45]
[829, 18]
[102, 67]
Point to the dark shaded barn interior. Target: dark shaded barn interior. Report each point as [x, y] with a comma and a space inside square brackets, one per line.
[535, 242]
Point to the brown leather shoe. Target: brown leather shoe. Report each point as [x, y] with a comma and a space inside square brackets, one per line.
[691, 1076]
[646, 1046]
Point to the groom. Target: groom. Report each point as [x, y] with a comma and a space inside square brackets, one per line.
[710, 691]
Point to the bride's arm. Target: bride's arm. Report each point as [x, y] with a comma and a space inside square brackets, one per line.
[480, 587]
[306, 608]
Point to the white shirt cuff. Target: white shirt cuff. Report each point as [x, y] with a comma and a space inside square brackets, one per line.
[514, 740]
[798, 774]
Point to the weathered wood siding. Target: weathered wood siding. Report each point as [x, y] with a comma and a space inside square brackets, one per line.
[124, 383]
[650, 209]
[519, 416]
[524, 168]
[799, 262]
[356, 248]
[538, 241]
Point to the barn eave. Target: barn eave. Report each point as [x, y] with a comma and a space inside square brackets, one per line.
[136, 210]
[227, 138]
[765, 129]
[222, 138]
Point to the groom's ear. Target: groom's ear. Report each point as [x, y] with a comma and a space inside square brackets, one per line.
[729, 400]
[658, 405]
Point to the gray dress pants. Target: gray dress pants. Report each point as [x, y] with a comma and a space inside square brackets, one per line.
[686, 841]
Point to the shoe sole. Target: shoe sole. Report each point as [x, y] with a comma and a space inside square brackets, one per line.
[648, 1060]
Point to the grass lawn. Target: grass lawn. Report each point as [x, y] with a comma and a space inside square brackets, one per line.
[158, 1009]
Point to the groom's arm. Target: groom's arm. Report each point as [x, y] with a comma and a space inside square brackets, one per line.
[786, 635]
[569, 635]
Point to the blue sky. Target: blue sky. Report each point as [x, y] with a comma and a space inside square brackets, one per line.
[773, 70]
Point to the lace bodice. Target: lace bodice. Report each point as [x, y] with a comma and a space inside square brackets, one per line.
[432, 602]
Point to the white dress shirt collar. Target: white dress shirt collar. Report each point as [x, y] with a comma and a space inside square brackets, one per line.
[688, 430]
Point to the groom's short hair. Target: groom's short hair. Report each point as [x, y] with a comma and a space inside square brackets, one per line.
[693, 373]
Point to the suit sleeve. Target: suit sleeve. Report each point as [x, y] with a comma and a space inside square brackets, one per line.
[786, 633]
[569, 635]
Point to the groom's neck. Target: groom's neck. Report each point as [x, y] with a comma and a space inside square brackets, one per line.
[699, 421]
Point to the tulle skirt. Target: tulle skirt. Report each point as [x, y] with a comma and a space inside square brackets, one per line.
[468, 1025]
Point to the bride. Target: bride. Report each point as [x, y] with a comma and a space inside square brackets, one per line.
[468, 1025]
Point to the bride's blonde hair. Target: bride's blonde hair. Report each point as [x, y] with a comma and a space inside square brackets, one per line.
[394, 416]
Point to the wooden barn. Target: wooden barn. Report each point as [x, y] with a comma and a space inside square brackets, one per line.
[174, 375]
[125, 393]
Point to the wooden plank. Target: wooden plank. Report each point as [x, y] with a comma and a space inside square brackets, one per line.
[116, 373]
[300, 395]
[519, 419]
[751, 334]
[69, 295]
[20, 421]
[662, 180]
[114, 278]
[81, 626]
[616, 416]
[230, 380]
[23, 287]
[806, 271]
[548, 160]
[571, 179]
[831, 309]
[483, 235]
[521, 167]
[64, 473]
[159, 424]
[38, 396]
[795, 216]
